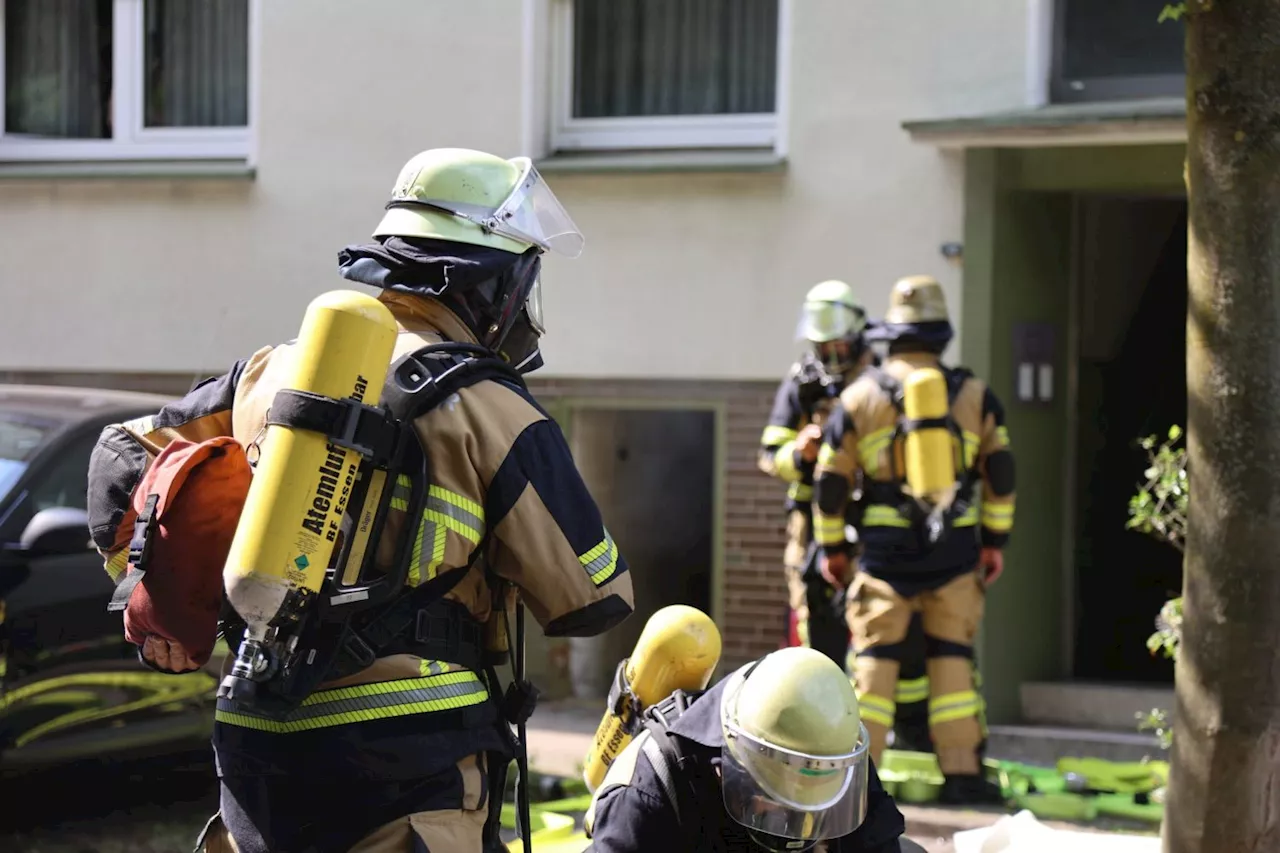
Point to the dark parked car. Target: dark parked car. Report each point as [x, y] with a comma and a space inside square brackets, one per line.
[70, 686]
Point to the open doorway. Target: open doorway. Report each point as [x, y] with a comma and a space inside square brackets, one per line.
[652, 472]
[1132, 291]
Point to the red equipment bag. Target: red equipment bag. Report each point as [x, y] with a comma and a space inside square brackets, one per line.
[187, 504]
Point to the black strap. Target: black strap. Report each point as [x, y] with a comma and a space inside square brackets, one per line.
[347, 422]
[364, 644]
[672, 764]
[144, 528]
[426, 377]
[913, 424]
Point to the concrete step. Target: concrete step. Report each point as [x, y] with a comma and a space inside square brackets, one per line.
[1038, 744]
[1090, 705]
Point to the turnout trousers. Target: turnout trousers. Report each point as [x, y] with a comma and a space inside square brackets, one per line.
[950, 614]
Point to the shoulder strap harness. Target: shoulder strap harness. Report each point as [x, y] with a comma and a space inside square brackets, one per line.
[673, 766]
[930, 531]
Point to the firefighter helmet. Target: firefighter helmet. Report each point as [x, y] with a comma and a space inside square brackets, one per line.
[917, 314]
[833, 321]
[795, 761]
[473, 197]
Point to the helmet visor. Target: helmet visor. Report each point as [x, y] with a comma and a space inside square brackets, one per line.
[787, 794]
[533, 214]
[533, 306]
[829, 321]
[791, 795]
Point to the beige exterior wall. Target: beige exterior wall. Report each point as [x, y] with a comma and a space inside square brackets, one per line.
[686, 275]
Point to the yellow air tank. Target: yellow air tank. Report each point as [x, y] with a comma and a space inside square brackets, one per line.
[288, 529]
[929, 452]
[677, 650]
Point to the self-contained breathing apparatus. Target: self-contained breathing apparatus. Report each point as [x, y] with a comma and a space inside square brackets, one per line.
[678, 649]
[930, 483]
[360, 610]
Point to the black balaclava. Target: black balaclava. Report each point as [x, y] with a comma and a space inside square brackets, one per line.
[487, 288]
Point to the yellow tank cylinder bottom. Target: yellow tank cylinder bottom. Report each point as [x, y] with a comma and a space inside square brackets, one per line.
[302, 482]
[929, 453]
[677, 650]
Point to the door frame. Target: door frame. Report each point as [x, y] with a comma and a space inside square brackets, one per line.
[1070, 458]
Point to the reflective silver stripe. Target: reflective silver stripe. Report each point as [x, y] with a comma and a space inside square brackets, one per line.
[457, 513]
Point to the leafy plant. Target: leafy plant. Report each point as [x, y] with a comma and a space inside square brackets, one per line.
[1159, 508]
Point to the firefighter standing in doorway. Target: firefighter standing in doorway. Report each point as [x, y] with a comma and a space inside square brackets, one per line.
[457, 257]
[834, 324]
[932, 552]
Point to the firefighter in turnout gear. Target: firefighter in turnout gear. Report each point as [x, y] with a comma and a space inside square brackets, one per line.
[411, 751]
[771, 758]
[931, 445]
[833, 323]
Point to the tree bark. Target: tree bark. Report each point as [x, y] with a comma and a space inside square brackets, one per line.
[1224, 789]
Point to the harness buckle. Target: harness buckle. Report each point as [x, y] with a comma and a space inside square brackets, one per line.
[143, 528]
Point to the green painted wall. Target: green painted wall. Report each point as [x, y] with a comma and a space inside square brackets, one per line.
[1017, 269]
[1031, 283]
[1153, 169]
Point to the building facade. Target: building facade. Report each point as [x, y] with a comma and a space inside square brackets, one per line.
[177, 179]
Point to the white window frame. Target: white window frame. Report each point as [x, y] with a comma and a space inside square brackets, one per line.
[744, 130]
[131, 140]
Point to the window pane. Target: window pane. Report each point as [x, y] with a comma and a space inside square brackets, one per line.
[197, 63]
[57, 68]
[1119, 38]
[674, 57]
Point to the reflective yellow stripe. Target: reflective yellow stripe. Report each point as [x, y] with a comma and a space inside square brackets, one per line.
[876, 709]
[912, 690]
[601, 561]
[785, 461]
[117, 565]
[825, 454]
[362, 703]
[1002, 436]
[445, 510]
[972, 441]
[828, 529]
[883, 515]
[968, 519]
[997, 517]
[775, 435]
[954, 706]
[871, 445]
[802, 492]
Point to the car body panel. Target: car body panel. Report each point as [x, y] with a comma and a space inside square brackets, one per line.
[70, 685]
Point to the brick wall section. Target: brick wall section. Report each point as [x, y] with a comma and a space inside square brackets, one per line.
[754, 595]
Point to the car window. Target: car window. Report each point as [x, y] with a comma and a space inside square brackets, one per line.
[65, 482]
[20, 437]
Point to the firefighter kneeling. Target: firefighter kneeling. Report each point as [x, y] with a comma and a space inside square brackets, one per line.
[773, 757]
[925, 438]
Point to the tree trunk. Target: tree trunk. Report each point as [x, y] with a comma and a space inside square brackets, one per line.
[1224, 790]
